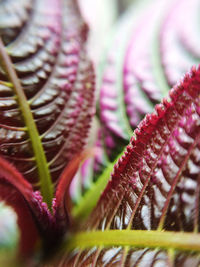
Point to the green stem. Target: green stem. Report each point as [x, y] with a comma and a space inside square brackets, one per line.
[91, 197]
[43, 170]
[6, 84]
[136, 238]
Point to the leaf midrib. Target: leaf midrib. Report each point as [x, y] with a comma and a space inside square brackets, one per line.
[40, 158]
[150, 239]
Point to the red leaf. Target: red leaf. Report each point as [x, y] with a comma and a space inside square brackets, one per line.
[174, 126]
[34, 218]
[62, 204]
[28, 230]
[47, 49]
[155, 185]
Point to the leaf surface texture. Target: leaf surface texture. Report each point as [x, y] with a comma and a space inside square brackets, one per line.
[49, 57]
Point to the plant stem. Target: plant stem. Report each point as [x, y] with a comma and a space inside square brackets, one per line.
[136, 238]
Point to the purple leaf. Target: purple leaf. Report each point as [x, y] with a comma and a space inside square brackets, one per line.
[46, 43]
[154, 186]
[154, 45]
[46, 106]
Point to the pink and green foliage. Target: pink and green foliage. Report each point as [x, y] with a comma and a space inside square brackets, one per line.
[146, 213]
[148, 54]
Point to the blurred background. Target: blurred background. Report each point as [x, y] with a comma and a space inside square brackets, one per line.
[101, 15]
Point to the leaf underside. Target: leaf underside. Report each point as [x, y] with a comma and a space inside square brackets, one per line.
[154, 186]
[49, 57]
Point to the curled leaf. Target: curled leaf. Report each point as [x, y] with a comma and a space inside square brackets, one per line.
[18, 194]
[62, 203]
[35, 221]
[29, 234]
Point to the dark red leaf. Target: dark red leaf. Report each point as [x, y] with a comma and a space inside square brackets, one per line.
[34, 219]
[155, 185]
[46, 43]
[62, 203]
[29, 234]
